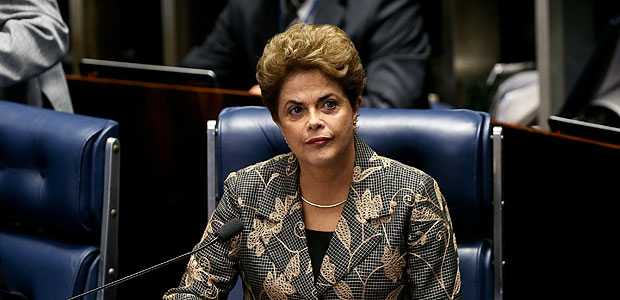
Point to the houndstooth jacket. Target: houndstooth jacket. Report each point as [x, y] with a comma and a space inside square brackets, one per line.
[394, 239]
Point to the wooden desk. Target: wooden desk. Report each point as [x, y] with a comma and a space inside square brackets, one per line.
[561, 196]
[163, 191]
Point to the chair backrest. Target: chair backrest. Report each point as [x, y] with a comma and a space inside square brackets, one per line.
[58, 201]
[453, 146]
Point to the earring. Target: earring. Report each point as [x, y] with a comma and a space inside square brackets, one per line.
[355, 124]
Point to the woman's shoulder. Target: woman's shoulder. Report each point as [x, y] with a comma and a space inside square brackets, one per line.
[368, 162]
[279, 164]
[400, 171]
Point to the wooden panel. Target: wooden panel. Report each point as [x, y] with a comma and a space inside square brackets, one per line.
[561, 195]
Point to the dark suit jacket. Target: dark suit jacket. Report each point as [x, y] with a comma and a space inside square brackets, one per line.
[388, 35]
[394, 239]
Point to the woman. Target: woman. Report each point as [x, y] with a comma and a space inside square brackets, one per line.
[331, 219]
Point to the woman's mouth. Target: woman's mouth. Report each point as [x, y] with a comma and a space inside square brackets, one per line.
[317, 141]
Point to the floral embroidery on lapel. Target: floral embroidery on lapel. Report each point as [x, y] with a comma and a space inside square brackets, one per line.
[344, 233]
[384, 160]
[370, 208]
[263, 230]
[343, 291]
[359, 175]
[282, 209]
[367, 206]
[328, 270]
[277, 287]
[393, 263]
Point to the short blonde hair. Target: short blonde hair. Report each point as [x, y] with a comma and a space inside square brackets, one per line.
[304, 47]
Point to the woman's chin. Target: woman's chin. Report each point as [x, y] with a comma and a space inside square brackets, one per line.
[318, 160]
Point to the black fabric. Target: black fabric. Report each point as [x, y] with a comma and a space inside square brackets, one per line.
[318, 241]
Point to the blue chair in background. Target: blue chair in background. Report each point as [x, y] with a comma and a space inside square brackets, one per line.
[58, 202]
[453, 146]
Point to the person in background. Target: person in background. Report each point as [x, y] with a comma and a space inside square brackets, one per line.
[33, 41]
[388, 34]
[331, 219]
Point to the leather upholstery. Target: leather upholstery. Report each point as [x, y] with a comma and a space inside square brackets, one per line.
[51, 195]
[476, 269]
[453, 146]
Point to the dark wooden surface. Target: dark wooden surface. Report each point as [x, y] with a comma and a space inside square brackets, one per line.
[561, 197]
[163, 191]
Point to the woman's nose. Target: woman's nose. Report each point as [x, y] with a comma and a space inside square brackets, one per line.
[314, 120]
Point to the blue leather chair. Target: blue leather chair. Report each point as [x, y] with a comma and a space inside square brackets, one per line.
[58, 202]
[453, 146]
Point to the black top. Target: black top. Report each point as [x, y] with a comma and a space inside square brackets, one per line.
[318, 241]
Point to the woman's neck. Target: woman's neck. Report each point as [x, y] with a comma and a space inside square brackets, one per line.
[328, 184]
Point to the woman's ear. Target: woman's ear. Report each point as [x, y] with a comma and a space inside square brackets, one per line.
[275, 120]
[358, 103]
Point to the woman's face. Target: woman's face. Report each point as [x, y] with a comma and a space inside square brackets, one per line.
[316, 118]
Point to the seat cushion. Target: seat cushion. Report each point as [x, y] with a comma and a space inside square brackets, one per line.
[44, 269]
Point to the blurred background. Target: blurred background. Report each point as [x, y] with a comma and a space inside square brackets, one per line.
[468, 37]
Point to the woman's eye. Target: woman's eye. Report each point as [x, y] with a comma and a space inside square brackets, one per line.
[330, 104]
[295, 111]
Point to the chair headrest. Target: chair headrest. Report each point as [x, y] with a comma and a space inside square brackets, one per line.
[51, 168]
[453, 146]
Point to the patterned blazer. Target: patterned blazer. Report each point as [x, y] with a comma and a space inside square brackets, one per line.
[394, 239]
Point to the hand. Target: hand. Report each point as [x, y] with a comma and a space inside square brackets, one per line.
[255, 90]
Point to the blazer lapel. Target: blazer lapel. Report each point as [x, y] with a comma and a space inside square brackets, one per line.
[359, 229]
[285, 241]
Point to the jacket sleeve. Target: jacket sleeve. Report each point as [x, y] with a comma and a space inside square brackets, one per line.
[397, 52]
[33, 38]
[432, 260]
[211, 273]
